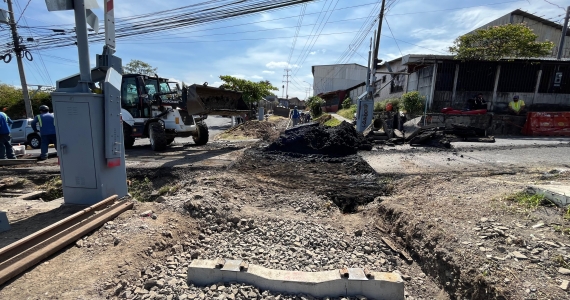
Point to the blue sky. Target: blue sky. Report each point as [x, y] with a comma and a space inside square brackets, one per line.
[260, 50]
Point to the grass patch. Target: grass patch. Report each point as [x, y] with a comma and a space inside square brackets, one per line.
[527, 200]
[53, 188]
[168, 189]
[141, 189]
[567, 214]
[323, 118]
[347, 113]
[332, 122]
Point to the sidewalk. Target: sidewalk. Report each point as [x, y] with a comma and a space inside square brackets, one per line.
[340, 118]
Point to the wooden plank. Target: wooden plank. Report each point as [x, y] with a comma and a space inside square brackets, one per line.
[392, 246]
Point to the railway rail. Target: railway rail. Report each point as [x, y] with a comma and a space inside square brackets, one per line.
[27, 252]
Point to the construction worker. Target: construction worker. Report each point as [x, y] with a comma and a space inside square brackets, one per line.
[6, 150]
[516, 106]
[295, 116]
[47, 130]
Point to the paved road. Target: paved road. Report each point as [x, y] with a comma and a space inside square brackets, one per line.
[216, 125]
[507, 154]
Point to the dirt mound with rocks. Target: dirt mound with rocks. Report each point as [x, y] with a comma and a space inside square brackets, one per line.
[266, 131]
[341, 140]
[347, 181]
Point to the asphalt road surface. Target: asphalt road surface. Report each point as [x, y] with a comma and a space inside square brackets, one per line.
[216, 125]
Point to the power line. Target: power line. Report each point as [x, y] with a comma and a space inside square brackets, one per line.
[299, 24]
[23, 10]
[394, 37]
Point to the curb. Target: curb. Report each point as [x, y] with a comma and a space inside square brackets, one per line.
[347, 282]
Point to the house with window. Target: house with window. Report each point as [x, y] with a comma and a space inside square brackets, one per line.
[543, 83]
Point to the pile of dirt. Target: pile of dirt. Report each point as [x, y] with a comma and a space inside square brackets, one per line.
[266, 131]
[314, 138]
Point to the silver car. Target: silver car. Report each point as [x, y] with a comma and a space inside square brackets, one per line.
[22, 133]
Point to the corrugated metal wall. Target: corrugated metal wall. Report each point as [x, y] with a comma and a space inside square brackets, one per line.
[337, 77]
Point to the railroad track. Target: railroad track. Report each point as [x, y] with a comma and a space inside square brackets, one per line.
[27, 252]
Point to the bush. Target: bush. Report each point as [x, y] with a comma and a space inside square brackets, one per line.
[315, 104]
[346, 103]
[413, 103]
[381, 106]
[348, 112]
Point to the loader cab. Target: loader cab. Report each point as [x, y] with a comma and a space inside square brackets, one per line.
[138, 93]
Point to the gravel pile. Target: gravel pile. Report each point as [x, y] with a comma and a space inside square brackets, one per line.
[334, 141]
[277, 243]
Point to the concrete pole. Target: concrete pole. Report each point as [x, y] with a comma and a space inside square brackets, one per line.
[563, 38]
[455, 84]
[19, 54]
[82, 46]
[538, 77]
[497, 75]
[433, 83]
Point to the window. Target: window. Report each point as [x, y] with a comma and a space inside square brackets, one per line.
[129, 94]
[17, 124]
[384, 79]
[397, 85]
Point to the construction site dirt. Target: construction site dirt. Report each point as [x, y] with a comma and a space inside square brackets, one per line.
[443, 219]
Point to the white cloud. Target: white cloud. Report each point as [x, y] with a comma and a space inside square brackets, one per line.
[279, 64]
[313, 52]
[268, 72]
[256, 77]
[238, 76]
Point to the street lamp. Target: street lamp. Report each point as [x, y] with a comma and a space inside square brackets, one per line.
[310, 87]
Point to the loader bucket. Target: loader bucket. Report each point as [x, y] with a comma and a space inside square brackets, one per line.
[205, 100]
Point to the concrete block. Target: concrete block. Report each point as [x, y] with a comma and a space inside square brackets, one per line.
[4, 224]
[380, 286]
[558, 194]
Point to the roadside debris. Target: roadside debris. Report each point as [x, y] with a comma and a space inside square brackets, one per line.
[266, 131]
[432, 135]
[314, 138]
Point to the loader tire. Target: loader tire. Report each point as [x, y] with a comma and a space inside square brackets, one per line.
[128, 140]
[157, 136]
[202, 134]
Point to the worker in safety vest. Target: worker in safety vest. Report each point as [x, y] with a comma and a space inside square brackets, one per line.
[6, 150]
[516, 106]
[295, 116]
[46, 122]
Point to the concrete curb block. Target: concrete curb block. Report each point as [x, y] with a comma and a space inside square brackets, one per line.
[380, 286]
[559, 194]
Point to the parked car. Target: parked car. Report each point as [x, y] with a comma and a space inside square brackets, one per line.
[22, 133]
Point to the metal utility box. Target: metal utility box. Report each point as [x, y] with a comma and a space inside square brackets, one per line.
[86, 172]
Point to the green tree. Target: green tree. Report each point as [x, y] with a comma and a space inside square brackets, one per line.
[346, 103]
[251, 91]
[495, 43]
[315, 104]
[136, 66]
[12, 99]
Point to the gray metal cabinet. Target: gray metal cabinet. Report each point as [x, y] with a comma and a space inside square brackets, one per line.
[76, 144]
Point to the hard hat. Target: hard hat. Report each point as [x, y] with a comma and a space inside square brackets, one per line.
[516, 97]
[44, 108]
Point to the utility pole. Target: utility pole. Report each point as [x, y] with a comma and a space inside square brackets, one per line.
[286, 81]
[564, 31]
[19, 53]
[365, 105]
[377, 45]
